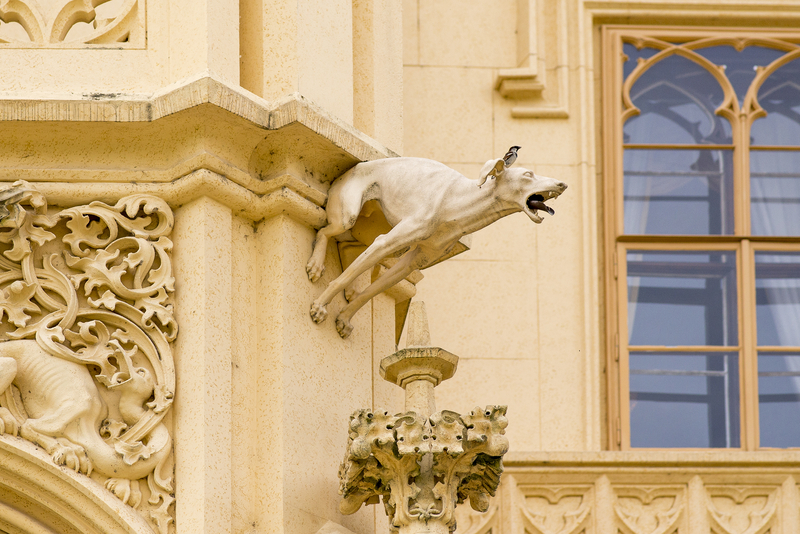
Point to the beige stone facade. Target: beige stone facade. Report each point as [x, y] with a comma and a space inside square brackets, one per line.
[234, 118]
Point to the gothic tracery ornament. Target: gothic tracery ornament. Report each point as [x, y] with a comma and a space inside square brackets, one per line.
[86, 369]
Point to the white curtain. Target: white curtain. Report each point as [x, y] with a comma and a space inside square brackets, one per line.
[779, 218]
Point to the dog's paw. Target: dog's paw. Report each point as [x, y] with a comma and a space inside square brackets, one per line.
[318, 312]
[343, 327]
[126, 490]
[315, 268]
[72, 456]
[8, 423]
[350, 293]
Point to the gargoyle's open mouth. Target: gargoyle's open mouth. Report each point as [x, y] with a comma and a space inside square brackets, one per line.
[536, 202]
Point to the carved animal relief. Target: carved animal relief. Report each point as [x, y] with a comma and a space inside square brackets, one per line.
[86, 369]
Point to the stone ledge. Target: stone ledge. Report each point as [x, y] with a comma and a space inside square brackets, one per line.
[644, 459]
[186, 94]
[123, 141]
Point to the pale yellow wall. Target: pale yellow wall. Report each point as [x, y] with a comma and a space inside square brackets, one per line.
[513, 307]
[286, 94]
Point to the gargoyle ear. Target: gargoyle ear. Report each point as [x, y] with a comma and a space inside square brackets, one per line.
[493, 167]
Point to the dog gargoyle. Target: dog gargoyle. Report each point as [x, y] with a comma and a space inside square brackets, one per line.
[429, 207]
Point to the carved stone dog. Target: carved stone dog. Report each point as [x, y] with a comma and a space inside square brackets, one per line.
[429, 206]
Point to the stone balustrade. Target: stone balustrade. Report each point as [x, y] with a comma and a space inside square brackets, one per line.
[647, 492]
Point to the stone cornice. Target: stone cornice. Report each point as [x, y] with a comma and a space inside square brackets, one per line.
[606, 460]
[200, 137]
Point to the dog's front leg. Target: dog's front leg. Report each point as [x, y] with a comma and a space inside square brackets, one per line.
[401, 236]
[415, 258]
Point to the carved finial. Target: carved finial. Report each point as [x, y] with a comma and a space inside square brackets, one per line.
[422, 462]
[419, 335]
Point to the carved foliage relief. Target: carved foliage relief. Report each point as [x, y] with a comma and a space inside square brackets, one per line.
[71, 23]
[86, 369]
[384, 455]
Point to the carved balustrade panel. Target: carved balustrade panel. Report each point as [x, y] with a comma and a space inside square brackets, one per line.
[71, 23]
[556, 509]
[743, 509]
[693, 492]
[649, 510]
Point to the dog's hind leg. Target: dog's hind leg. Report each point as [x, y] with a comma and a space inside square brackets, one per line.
[316, 263]
[342, 215]
[413, 259]
[401, 236]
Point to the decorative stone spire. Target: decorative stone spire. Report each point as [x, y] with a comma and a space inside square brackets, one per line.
[421, 461]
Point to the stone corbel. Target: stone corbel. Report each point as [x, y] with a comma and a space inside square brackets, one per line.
[536, 94]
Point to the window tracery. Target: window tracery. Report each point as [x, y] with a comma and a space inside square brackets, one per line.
[702, 134]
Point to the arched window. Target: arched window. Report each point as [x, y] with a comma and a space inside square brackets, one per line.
[702, 174]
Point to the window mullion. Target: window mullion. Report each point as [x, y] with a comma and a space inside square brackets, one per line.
[624, 359]
[748, 353]
[741, 174]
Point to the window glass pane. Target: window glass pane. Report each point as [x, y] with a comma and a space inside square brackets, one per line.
[677, 98]
[633, 57]
[779, 399]
[775, 192]
[687, 192]
[684, 400]
[778, 298]
[779, 95]
[682, 298]
[740, 66]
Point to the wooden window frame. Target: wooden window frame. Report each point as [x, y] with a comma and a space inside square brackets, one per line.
[616, 109]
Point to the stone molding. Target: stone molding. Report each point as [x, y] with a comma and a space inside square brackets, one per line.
[262, 161]
[535, 92]
[61, 499]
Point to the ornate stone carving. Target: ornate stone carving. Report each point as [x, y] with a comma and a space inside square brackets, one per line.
[742, 510]
[54, 23]
[649, 510]
[429, 206]
[386, 457]
[86, 371]
[556, 509]
[422, 462]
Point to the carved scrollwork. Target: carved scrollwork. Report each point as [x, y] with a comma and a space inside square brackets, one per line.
[385, 452]
[86, 371]
[51, 22]
[742, 510]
